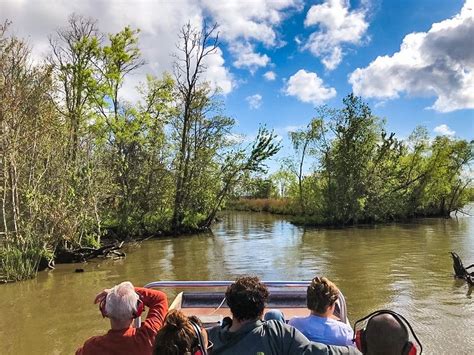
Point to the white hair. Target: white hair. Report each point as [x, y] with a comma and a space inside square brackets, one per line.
[121, 301]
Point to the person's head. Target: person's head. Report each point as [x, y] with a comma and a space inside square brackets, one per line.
[321, 295]
[121, 303]
[246, 298]
[181, 335]
[386, 332]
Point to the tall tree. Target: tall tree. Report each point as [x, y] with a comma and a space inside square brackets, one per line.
[193, 49]
[75, 51]
[304, 142]
[346, 163]
[75, 57]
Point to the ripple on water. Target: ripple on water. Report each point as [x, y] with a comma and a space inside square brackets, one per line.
[405, 267]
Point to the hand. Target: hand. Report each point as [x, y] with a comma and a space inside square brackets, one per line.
[101, 296]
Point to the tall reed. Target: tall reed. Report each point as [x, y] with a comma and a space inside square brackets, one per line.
[19, 262]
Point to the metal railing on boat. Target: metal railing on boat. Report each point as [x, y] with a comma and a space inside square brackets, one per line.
[197, 284]
[271, 284]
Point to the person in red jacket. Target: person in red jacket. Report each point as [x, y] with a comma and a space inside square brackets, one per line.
[121, 304]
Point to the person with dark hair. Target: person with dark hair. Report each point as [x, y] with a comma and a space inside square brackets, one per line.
[321, 325]
[246, 333]
[181, 334]
[386, 333]
[121, 304]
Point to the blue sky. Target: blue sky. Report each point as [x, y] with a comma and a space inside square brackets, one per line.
[412, 61]
[389, 22]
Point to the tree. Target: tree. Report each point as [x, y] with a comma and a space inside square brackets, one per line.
[74, 61]
[283, 180]
[304, 142]
[75, 51]
[239, 163]
[194, 47]
[31, 139]
[346, 163]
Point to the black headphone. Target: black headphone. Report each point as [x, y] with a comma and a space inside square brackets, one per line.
[200, 348]
[360, 335]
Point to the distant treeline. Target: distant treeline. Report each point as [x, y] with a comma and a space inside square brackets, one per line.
[362, 174]
[78, 162]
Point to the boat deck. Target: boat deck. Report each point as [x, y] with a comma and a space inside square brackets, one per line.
[211, 308]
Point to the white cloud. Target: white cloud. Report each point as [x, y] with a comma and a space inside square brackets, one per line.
[308, 87]
[255, 101]
[444, 130]
[234, 138]
[35, 20]
[255, 20]
[437, 63]
[252, 24]
[247, 57]
[292, 128]
[269, 75]
[217, 74]
[337, 25]
[242, 24]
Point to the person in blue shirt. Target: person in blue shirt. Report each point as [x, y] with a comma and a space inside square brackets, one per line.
[322, 325]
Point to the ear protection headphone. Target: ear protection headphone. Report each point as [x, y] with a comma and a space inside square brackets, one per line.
[200, 348]
[138, 308]
[360, 335]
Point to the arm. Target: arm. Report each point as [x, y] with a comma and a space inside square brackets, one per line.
[348, 334]
[157, 303]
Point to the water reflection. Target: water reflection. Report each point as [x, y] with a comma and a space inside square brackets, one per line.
[405, 267]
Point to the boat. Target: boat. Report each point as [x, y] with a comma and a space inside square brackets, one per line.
[206, 299]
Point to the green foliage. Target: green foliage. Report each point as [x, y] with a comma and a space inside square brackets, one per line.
[80, 163]
[259, 188]
[207, 165]
[362, 174]
[20, 260]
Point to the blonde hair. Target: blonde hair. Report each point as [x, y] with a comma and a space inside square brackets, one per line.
[121, 301]
[321, 294]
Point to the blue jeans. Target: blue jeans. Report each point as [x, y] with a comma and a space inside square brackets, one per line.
[274, 314]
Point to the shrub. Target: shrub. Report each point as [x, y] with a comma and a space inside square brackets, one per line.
[20, 262]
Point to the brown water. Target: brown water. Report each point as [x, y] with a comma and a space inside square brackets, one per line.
[404, 267]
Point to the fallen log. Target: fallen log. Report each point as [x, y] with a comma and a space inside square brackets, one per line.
[84, 254]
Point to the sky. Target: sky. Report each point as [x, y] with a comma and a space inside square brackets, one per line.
[412, 61]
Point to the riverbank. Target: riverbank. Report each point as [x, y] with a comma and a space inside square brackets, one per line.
[271, 205]
[24, 261]
[19, 264]
[292, 212]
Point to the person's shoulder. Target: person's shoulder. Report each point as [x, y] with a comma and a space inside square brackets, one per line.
[279, 327]
[298, 320]
[339, 324]
[90, 344]
[214, 331]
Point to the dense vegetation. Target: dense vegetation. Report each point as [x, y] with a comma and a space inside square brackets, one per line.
[362, 174]
[79, 162]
